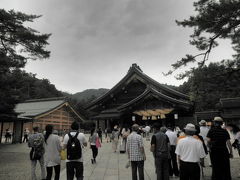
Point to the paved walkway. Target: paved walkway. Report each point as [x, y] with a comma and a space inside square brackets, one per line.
[15, 164]
[111, 166]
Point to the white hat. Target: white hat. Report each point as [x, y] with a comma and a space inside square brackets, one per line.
[219, 119]
[190, 127]
[202, 122]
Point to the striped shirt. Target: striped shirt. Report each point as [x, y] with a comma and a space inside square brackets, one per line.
[134, 147]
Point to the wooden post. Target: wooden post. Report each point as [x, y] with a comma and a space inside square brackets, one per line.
[21, 132]
[1, 132]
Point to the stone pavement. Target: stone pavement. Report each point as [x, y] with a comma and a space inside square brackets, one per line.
[15, 164]
[111, 166]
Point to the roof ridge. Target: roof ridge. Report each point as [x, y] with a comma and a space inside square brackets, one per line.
[135, 67]
[234, 98]
[46, 99]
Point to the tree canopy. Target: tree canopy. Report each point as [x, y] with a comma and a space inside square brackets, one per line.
[210, 83]
[215, 19]
[18, 44]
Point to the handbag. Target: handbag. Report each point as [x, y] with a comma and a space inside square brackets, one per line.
[63, 154]
[98, 144]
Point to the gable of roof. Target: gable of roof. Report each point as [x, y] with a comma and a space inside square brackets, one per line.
[136, 72]
[151, 91]
[36, 108]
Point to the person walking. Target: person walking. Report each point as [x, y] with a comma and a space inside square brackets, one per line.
[92, 140]
[136, 153]
[25, 135]
[203, 133]
[147, 130]
[74, 142]
[8, 136]
[36, 143]
[173, 167]
[124, 134]
[99, 131]
[220, 150]
[52, 153]
[160, 148]
[109, 135]
[189, 152]
[115, 137]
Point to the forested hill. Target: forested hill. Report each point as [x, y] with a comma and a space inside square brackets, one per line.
[88, 95]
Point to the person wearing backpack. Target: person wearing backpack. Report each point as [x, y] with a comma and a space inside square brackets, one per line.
[73, 142]
[36, 142]
[52, 153]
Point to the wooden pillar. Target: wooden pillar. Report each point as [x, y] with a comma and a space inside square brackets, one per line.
[17, 132]
[108, 124]
[1, 132]
[97, 124]
[21, 131]
[105, 124]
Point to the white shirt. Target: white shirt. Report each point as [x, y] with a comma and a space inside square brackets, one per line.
[147, 129]
[190, 149]
[81, 137]
[237, 136]
[172, 136]
[93, 138]
[52, 151]
[203, 132]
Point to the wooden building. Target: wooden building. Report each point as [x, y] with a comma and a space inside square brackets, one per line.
[55, 111]
[230, 110]
[227, 108]
[137, 98]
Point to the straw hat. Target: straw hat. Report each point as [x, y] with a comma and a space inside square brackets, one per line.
[202, 122]
[219, 119]
[190, 127]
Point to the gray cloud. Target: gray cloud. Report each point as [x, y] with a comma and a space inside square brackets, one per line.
[94, 42]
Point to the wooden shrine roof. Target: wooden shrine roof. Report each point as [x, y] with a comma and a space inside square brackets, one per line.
[40, 107]
[137, 73]
[151, 91]
[133, 89]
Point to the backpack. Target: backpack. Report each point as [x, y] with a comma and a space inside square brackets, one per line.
[37, 150]
[74, 149]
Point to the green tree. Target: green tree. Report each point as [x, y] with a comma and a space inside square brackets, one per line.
[18, 44]
[209, 83]
[27, 86]
[215, 19]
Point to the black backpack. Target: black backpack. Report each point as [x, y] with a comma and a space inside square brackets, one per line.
[74, 149]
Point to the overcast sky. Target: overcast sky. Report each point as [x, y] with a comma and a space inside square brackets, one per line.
[94, 42]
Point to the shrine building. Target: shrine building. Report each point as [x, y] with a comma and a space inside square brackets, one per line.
[55, 111]
[137, 98]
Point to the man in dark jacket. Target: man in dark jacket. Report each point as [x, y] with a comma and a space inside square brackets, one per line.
[160, 148]
[219, 139]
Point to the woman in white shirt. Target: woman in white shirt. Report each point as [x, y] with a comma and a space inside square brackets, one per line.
[92, 140]
[52, 153]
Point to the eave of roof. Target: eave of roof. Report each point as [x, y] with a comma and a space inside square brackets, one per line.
[151, 90]
[134, 69]
[26, 110]
[230, 102]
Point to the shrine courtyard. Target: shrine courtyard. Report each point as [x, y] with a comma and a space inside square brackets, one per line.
[15, 164]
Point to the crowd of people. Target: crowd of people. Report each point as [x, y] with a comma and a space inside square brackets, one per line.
[46, 149]
[182, 153]
[177, 153]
